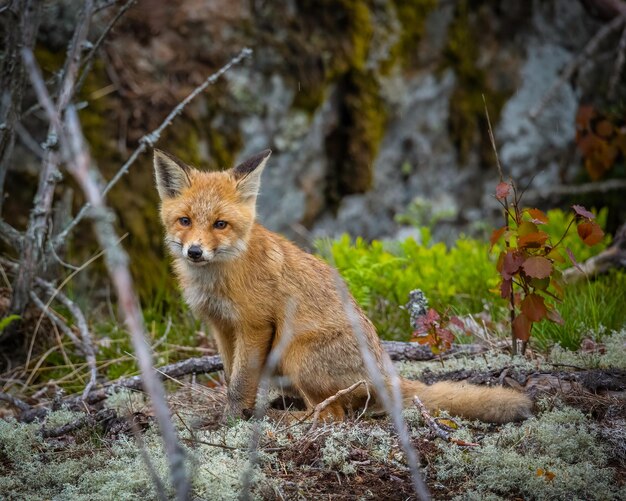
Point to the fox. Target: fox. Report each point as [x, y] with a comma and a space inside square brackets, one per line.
[254, 287]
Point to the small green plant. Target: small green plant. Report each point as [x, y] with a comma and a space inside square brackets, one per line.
[8, 320]
[530, 281]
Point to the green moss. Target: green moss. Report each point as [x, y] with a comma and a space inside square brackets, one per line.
[412, 16]
[467, 122]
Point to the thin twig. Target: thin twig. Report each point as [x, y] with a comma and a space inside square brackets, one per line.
[33, 242]
[87, 344]
[333, 398]
[493, 141]
[570, 69]
[77, 424]
[391, 400]
[10, 235]
[150, 140]
[14, 401]
[507, 216]
[88, 61]
[437, 428]
[619, 65]
[273, 359]
[79, 164]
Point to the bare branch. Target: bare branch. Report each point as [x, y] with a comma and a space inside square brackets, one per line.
[619, 65]
[150, 140]
[88, 62]
[333, 398]
[437, 428]
[87, 344]
[387, 391]
[19, 26]
[10, 235]
[33, 242]
[81, 422]
[570, 69]
[14, 401]
[273, 359]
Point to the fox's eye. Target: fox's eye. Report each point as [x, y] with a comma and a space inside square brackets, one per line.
[184, 221]
[220, 225]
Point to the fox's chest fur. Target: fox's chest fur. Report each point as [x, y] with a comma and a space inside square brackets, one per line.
[207, 295]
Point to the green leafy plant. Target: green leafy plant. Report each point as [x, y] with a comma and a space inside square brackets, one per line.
[530, 281]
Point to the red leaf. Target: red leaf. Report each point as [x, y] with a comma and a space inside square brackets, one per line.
[555, 317]
[457, 322]
[572, 258]
[511, 264]
[502, 190]
[534, 307]
[505, 288]
[537, 216]
[537, 267]
[521, 327]
[432, 316]
[533, 240]
[495, 236]
[581, 211]
[590, 232]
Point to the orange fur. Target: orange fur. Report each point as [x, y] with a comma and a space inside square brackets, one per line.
[244, 283]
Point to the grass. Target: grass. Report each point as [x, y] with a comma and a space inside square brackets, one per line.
[590, 309]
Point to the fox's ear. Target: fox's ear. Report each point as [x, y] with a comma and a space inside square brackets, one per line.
[248, 174]
[171, 174]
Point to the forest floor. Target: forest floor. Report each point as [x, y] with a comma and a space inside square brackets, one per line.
[573, 448]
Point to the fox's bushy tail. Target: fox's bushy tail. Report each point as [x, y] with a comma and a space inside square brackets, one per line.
[494, 405]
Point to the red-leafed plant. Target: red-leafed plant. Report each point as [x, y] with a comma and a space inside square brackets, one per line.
[529, 279]
[433, 329]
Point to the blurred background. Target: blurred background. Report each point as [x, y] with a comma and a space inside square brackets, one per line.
[375, 112]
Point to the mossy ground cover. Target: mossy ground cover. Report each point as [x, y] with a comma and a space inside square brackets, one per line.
[564, 452]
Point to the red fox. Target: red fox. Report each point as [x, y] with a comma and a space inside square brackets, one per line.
[241, 278]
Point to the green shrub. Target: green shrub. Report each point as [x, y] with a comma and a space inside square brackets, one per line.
[462, 277]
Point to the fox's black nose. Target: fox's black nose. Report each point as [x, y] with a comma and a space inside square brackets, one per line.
[194, 252]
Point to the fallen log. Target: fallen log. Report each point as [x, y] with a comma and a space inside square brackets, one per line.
[613, 257]
[207, 364]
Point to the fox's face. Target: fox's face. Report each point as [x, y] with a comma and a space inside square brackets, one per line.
[207, 215]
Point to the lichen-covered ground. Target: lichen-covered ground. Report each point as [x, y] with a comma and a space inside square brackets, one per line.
[574, 448]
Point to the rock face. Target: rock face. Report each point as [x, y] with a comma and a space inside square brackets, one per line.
[373, 109]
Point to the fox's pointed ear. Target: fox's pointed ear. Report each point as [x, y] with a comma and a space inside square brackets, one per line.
[171, 174]
[248, 174]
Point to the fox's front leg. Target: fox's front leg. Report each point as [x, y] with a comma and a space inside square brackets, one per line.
[251, 351]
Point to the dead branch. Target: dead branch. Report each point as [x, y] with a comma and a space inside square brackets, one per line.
[150, 140]
[613, 257]
[323, 405]
[81, 422]
[88, 61]
[570, 69]
[399, 350]
[437, 428]
[86, 343]
[273, 359]
[619, 65]
[15, 402]
[10, 235]
[79, 163]
[20, 25]
[33, 242]
[601, 187]
[388, 392]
